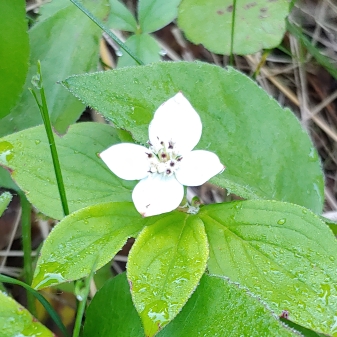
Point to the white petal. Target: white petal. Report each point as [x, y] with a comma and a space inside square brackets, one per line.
[176, 120]
[157, 194]
[197, 167]
[127, 161]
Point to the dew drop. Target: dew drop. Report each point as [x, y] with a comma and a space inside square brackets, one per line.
[37, 141]
[119, 53]
[281, 221]
[162, 52]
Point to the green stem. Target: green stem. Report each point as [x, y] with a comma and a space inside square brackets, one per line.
[27, 248]
[261, 63]
[231, 56]
[107, 31]
[46, 120]
[79, 315]
[82, 304]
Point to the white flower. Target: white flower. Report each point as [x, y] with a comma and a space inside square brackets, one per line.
[169, 162]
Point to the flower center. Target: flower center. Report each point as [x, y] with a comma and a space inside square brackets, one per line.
[164, 157]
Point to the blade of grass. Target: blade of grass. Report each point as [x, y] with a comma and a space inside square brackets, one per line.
[37, 82]
[323, 60]
[107, 31]
[27, 248]
[53, 314]
[231, 55]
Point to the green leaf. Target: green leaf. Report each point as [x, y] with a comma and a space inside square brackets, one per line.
[66, 43]
[120, 318]
[156, 14]
[304, 331]
[222, 308]
[50, 8]
[52, 313]
[14, 53]
[323, 60]
[5, 199]
[6, 181]
[217, 308]
[332, 224]
[257, 25]
[267, 153]
[144, 46]
[15, 320]
[165, 265]
[92, 234]
[281, 252]
[86, 178]
[120, 17]
[102, 275]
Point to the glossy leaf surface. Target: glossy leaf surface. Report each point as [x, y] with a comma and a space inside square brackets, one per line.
[211, 311]
[88, 237]
[86, 178]
[165, 265]
[142, 45]
[267, 153]
[14, 53]
[69, 27]
[221, 308]
[257, 25]
[155, 14]
[281, 252]
[15, 320]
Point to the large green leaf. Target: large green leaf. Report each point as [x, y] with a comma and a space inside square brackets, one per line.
[86, 238]
[267, 153]
[121, 18]
[257, 24]
[217, 308]
[281, 252]
[155, 14]
[221, 308]
[144, 46]
[66, 43]
[165, 265]
[15, 320]
[120, 319]
[14, 53]
[86, 178]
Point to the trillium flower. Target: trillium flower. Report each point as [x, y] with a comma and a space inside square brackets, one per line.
[169, 162]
